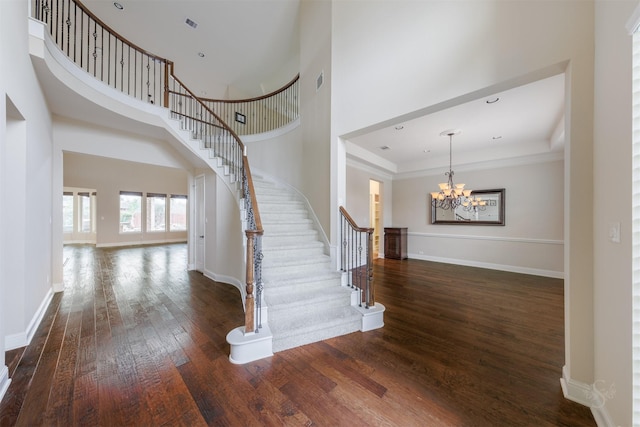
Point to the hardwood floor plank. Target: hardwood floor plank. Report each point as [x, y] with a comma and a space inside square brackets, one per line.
[137, 340]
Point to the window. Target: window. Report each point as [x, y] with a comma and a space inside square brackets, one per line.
[178, 213]
[156, 212]
[130, 212]
[67, 212]
[84, 207]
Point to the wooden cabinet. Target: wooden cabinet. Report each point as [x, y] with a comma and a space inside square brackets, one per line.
[395, 242]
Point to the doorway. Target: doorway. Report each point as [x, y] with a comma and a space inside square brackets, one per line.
[200, 223]
[375, 214]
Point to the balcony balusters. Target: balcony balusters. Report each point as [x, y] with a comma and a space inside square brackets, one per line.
[122, 65]
[356, 258]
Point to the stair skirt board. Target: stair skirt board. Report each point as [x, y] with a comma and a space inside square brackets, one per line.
[304, 298]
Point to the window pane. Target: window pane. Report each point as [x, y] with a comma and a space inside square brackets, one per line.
[85, 213]
[67, 213]
[156, 217]
[130, 213]
[178, 212]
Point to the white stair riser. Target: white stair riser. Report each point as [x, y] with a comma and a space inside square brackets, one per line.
[277, 254]
[308, 287]
[271, 229]
[303, 306]
[298, 269]
[304, 295]
[284, 343]
[275, 240]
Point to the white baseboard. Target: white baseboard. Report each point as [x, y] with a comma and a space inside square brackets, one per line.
[139, 243]
[23, 339]
[4, 381]
[227, 279]
[490, 266]
[587, 395]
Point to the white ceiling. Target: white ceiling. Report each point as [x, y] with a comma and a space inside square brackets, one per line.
[248, 42]
[523, 121]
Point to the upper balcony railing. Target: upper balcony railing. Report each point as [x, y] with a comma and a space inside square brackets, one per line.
[122, 65]
[261, 114]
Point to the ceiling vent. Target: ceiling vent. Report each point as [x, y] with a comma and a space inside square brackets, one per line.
[191, 23]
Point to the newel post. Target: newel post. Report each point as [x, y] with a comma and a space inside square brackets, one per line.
[250, 302]
[370, 286]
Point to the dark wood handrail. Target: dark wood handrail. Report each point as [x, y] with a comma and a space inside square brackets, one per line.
[208, 110]
[257, 98]
[44, 11]
[353, 224]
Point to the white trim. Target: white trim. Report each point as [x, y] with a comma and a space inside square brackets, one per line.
[4, 381]
[552, 156]
[586, 395]
[222, 278]
[79, 241]
[248, 347]
[23, 339]
[357, 164]
[57, 287]
[634, 21]
[264, 136]
[492, 238]
[140, 243]
[490, 266]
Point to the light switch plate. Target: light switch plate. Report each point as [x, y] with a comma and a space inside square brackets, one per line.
[614, 232]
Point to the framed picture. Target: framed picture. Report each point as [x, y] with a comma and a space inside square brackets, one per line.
[490, 213]
[241, 118]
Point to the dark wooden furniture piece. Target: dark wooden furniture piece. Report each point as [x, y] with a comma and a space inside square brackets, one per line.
[395, 242]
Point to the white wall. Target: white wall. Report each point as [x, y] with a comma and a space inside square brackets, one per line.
[531, 241]
[357, 194]
[81, 137]
[277, 156]
[110, 176]
[315, 108]
[224, 250]
[26, 155]
[394, 58]
[612, 204]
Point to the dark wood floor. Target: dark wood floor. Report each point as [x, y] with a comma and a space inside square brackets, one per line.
[135, 339]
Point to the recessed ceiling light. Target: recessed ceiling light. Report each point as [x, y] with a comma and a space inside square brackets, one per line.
[118, 5]
[191, 23]
[201, 54]
[492, 100]
[385, 147]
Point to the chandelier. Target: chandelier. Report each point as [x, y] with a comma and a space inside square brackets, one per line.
[453, 195]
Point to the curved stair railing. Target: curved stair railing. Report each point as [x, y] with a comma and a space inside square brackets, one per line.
[356, 259]
[122, 65]
[260, 114]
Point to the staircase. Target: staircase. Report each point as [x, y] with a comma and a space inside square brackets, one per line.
[305, 299]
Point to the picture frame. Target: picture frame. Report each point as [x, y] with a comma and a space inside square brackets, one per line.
[492, 213]
[241, 118]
